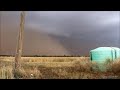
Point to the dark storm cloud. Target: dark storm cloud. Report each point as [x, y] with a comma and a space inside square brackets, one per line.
[74, 30]
[68, 22]
[79, 24]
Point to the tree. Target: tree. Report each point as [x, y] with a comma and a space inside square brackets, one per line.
[20, 42]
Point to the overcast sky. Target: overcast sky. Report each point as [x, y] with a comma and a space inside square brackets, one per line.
[75, 31]
[68, 22]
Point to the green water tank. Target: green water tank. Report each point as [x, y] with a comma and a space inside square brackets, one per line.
[117, 52]
[102, 53]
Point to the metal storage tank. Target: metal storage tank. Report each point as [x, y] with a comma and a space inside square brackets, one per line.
[101, 54]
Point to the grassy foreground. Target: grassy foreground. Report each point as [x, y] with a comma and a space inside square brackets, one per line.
[58, 68]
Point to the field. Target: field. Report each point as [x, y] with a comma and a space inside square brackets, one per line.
[58, 68]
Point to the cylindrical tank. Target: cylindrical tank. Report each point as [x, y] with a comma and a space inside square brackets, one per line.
[101, 54]
[117, 52]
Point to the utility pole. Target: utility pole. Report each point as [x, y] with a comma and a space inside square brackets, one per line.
[20, 42]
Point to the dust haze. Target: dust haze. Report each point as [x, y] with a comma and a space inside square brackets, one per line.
[60, 32]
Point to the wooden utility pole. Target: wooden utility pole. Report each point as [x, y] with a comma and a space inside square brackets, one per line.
[20, 42]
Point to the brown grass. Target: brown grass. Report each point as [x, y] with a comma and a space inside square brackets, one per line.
[58, 68]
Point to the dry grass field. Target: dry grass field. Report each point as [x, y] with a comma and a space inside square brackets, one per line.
[58, 68]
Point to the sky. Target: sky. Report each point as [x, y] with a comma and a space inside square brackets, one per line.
[60, 32]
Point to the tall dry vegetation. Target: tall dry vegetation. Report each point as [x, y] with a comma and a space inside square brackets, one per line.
[58, 68]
